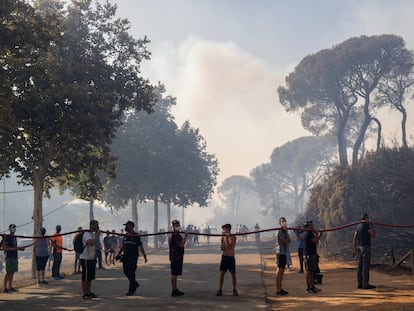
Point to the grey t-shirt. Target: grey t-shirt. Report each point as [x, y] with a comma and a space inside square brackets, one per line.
[280, 245]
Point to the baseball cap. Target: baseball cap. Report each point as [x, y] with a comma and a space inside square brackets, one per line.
[130, 223]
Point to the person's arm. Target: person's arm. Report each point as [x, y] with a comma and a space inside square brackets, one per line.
[354, 243]
[143, 252]
[317, 237]
[182, 244]
[371, 231]
[6, 247]
[95, 239]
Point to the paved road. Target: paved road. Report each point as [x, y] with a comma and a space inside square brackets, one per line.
[199, 282]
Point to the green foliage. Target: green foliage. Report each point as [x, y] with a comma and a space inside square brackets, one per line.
[380, 185]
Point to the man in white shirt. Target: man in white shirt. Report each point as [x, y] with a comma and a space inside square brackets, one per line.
[88, 258]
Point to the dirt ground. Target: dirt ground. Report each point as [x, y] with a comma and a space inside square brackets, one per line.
[256, 285]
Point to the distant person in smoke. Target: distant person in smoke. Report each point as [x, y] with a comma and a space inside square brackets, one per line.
[362, 249]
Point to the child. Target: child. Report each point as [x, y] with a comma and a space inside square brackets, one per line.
[228, 262]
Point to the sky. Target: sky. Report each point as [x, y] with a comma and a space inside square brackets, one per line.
[223, 60]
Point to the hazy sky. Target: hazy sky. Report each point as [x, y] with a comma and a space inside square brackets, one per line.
[224, 59]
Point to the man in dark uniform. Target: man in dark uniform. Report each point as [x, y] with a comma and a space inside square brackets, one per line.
[362, 248]
[176, 243]
[311, 240]
[129, 250]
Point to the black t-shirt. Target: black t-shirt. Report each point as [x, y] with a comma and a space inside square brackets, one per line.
[176, 251]
[363, 236]
[11, 241]
[131, 244]
[309, 246]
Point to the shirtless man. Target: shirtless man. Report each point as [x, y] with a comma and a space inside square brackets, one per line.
[228, 262]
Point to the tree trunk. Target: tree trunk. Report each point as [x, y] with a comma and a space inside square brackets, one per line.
[168, 215]
[91, 216]
[340, 136]
[155, 222]
[379, 130]
[134, 210]
[38, 181]
[403, 129]
[362, 131]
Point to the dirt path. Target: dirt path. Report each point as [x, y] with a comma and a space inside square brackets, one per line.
[256, 285]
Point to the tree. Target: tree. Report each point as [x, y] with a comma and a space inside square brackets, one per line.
[294, 169]
[158, 161]
[232, 187]
[143, 150]
[66, 104]
[333, 85]
[394, 90]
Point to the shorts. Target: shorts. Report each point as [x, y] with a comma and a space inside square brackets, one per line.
[311, 263]
[176, 267]
[228, 263]
[77, 255]
[281, 261]
[88, 269]
[41, 262]
[12, 265]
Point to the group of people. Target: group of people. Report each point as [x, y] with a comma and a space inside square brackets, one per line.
[131, 247]
[43, 248]
[308, 238]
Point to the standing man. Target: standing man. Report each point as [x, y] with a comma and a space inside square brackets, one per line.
[282, 242]
[10, 247]
[362, 248]
[87, 258]
[57, 248]
[311, 240]
[228, 262]
[300, 234]
[131, 246]
[176, 244]
[77, 262]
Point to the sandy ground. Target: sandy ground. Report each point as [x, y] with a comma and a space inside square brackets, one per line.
[256, 285]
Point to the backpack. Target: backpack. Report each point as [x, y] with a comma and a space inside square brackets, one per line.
[78, 243]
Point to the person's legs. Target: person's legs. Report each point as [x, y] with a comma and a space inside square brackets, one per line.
[174, 282]
[300, 255]
[360, 266]
[366, 261]
[279, 278]
[234, 280]
[221, 279]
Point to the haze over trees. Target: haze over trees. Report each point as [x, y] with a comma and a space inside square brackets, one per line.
[160, 162]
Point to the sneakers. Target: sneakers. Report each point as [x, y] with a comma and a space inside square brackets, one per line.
[235, 293]
[6, 291]
[176, 293]
[44, 282]
[219, 292]
[14, 289]
[89, 296]
[313, 290]
[282, 292]
[369, 286]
